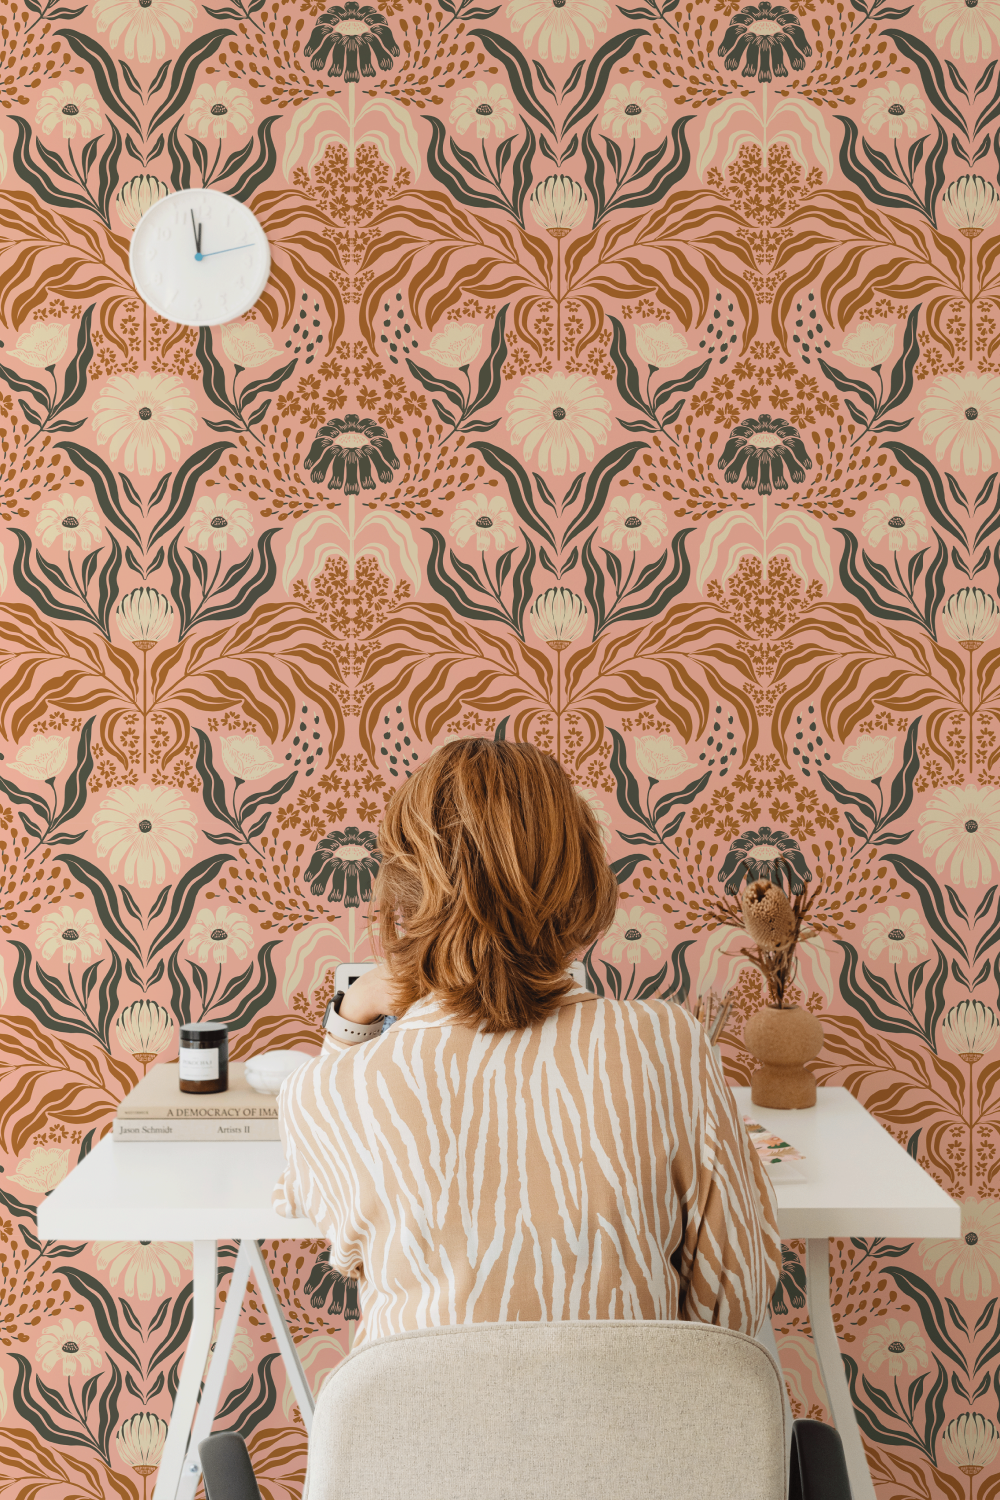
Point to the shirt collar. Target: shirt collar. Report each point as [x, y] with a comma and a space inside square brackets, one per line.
[429, 1013]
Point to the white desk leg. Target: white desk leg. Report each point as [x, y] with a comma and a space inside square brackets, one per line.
[766, 1337]
[838, 1394]
[195, 1357]
[212, 1390]
[296, 1374]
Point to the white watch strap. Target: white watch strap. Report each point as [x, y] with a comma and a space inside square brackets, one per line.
[349, 1031]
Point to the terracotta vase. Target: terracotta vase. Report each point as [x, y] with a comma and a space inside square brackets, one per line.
[782, 1041]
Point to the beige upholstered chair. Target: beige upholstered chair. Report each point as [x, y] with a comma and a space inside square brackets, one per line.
[544, 1411]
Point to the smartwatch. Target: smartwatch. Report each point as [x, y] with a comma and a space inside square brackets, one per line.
[348, 1031]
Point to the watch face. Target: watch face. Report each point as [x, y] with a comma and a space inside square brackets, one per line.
[199, 257]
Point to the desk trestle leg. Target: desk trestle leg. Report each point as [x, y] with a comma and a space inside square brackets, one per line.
[296, 1374]
[195, 1358]
[212, 1390]
[838, 1394]
[180, 1468]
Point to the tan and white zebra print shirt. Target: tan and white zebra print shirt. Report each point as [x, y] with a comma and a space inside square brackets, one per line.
[591, 1166]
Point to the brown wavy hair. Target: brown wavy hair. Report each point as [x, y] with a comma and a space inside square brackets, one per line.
[495, 872]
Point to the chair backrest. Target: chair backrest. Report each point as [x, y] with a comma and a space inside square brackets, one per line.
[552, 1411]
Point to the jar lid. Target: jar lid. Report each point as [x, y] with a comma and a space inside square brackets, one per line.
[198, 1028]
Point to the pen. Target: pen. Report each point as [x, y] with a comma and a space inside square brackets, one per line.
[720, 1020]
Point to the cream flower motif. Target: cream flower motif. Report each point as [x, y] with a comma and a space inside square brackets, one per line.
[75, 1344]
[137, 196]
[632, 519]
[456, 344]
[970, 617]
[558, 617]
[241, 1349]
[247, 344]
[42, 346]
[560, 415]
[970, 1262]
[68, 519]
[558, 204]
[217, 519]
[961, 827]
[661, 345]
[246, 758]
[898, 517]
[485, 517]
[870, 756]
[895, 105]
[971, 1441]
[143, 26]
[634, 933]
[869, 346]
[144, 617]
[487, 106]
[895, 1345]
[558, 29]
[895, 934]
[144, 415]
[142, 828]
[41, 1169]
[968, 26]
[70, 931]
[216, 106]
[961, 417]
[71, 105]
[145, 1264]
[145, 1030]
[971, 1029]
[43, 758]
[971, 204]
[600, 812]
[660, 758]
[216, 935]
[632, 106]
[140, 1442]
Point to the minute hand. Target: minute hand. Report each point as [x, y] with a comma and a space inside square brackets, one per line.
[223, 252]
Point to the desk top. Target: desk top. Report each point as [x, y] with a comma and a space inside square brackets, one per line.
[172, 1190]
[860, 1182]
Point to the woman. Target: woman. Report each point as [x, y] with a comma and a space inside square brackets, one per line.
[515, 1148]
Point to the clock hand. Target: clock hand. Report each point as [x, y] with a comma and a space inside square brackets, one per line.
[197, 236]
[228, 248]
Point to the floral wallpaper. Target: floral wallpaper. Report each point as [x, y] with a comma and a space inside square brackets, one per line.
[627, 381]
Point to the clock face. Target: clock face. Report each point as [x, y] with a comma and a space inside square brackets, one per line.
[199, 257]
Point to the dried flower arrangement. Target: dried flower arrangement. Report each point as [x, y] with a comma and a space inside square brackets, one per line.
[776, 926]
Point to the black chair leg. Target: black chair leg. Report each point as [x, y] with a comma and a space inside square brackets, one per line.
[227, 1469]
[818, 1469]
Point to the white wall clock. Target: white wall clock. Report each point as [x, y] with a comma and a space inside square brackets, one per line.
[199, 257]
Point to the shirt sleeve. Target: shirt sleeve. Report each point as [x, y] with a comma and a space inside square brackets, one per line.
[286, 1198]
[731, 1253]
[315, 1183]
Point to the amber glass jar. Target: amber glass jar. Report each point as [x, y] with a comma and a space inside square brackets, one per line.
[204, 1058]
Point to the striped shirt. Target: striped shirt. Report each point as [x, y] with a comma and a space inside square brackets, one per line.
[591, 1166]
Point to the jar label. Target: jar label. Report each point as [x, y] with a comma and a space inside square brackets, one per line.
[198, 1063]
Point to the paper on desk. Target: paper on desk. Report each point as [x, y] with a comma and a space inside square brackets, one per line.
[780, 1158]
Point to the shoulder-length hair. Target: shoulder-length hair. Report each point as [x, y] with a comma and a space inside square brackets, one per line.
[493, 877]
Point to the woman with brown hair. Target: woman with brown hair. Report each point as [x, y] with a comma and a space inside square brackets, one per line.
[514, 1148]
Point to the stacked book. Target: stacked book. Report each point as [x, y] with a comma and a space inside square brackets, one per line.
[781, 1160]
[156, 1110]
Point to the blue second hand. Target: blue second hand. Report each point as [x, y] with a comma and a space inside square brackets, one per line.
[228, 249]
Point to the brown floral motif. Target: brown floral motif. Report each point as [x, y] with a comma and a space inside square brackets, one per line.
[627, 381]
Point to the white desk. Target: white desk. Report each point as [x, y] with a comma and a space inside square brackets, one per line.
[860, 1183]
[205, 1191]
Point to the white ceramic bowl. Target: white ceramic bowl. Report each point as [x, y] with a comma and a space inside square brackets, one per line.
[267, 1072]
